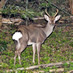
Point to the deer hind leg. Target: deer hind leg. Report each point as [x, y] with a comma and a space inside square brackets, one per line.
[38, 52]
[15, 57]
[19, 57]
[23, 46]
[18, 53]
[34, 51]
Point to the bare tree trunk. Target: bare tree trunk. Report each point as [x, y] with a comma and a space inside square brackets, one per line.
[71, 6]
[0, 20]
[26, 10]
[0, 15]
[2, 2]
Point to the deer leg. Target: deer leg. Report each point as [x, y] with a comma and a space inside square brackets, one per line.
[34, 50]
[38, 52]
[19, 53]
[19, 57]
[16, 53]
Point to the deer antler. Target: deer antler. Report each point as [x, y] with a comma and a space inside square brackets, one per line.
[56, 12]
[47, 12]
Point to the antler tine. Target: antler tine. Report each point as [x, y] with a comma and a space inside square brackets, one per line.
[56, 12]
[47, 12]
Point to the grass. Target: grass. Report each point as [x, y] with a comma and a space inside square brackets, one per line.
[57, 48]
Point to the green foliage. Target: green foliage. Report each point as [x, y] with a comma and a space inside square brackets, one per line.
[22, 71]
[71, 66]
[71, 44]
[45, 5]
[33, 9]
[47, 69]
[65, 64]
[1, 71]
[28, 13]
[4, 65]
[14, 10]
[11, 9]
[3, 45]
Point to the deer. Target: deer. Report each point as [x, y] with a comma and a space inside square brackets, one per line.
[34, 35]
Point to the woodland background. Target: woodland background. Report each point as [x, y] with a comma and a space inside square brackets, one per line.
[57, 49]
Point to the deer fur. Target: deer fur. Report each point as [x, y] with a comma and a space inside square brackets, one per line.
[32, 35]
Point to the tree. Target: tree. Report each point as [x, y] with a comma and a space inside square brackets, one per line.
[71, 6]
[2, 2]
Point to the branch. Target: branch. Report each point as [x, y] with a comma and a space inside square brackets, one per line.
[37, 18]
[11, 20]
[59, 64]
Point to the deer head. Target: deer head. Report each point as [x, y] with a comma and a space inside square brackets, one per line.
[52, 19]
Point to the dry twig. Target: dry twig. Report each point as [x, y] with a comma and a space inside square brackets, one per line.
[59, 64]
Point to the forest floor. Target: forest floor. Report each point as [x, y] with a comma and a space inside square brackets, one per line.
[57, 48]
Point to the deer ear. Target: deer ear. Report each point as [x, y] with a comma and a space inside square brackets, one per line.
[57, 18]
[47, 18]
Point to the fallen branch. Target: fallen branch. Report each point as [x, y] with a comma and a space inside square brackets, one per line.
[59, 64]
[12, 20]
[70, 71]
[48, 65]
[37, 18]
[0, 65]
[58, 70]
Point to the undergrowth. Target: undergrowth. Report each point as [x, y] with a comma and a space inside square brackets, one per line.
[56, 48]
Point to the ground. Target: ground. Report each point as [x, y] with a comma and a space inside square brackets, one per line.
[56, 48]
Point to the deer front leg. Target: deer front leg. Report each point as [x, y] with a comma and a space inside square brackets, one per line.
[38, 52]
[34, 50]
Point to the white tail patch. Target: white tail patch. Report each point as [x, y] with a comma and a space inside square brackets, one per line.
[16, 36]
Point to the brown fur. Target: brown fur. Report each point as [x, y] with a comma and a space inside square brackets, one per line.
[30, 34]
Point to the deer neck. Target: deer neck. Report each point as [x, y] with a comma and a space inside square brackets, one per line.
[48, 29]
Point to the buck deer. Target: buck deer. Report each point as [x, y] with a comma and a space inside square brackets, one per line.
[33, 35]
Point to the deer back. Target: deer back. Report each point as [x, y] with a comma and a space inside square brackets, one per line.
[32, 33]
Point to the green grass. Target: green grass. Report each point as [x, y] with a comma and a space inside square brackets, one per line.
[57, 48]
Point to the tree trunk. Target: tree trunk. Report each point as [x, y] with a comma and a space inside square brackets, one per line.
[2, 2]
[0, 20]
[71, 6]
